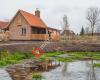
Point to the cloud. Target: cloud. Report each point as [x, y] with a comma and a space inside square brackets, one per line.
[52, 11]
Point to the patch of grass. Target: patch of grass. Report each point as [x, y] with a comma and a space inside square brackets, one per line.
[51, 55]
[3, 63]
[4, 53]
[86, 55]
[96, 57]
[97, 65]
[65, 59]
[54, 54]
[7, 58]
[14, 58]
[72, 56]
[37, 76]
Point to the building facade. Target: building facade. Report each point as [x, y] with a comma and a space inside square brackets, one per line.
[26, 26]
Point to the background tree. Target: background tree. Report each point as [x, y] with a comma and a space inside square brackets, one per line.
[82, 31]
[98, 29]
[93, 17]
[86, 30]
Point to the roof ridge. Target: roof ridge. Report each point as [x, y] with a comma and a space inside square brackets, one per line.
[26, 12]
[29, 13]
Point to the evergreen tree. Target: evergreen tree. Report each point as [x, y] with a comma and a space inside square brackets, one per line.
[82, 31]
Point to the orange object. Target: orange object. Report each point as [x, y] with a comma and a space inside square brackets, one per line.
[38, 52]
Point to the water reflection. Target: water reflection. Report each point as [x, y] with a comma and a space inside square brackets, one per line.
[78, 70]
[64, 71]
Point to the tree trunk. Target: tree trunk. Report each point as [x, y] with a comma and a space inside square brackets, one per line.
[92, 31]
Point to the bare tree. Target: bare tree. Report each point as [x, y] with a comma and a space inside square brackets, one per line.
[93, 17]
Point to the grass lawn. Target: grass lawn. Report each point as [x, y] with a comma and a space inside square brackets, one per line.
[7, 58]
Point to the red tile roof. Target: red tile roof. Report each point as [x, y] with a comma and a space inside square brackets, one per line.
[33, 20]
[3, 24]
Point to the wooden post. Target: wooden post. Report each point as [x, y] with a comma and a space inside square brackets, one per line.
[46, 34]
[46, 65]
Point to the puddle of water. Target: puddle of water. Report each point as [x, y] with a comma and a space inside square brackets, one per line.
[75, 71]
[4, 75]
[71, 71]
[97, 70]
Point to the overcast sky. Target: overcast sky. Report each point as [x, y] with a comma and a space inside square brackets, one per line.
[52, 11]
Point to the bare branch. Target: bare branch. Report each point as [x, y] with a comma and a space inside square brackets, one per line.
[93, 17]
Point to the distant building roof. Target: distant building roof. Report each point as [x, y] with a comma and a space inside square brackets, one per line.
[3, 24]
[68, 32]
[53, 29]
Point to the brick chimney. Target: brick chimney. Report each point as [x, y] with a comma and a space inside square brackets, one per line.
[37, 13]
